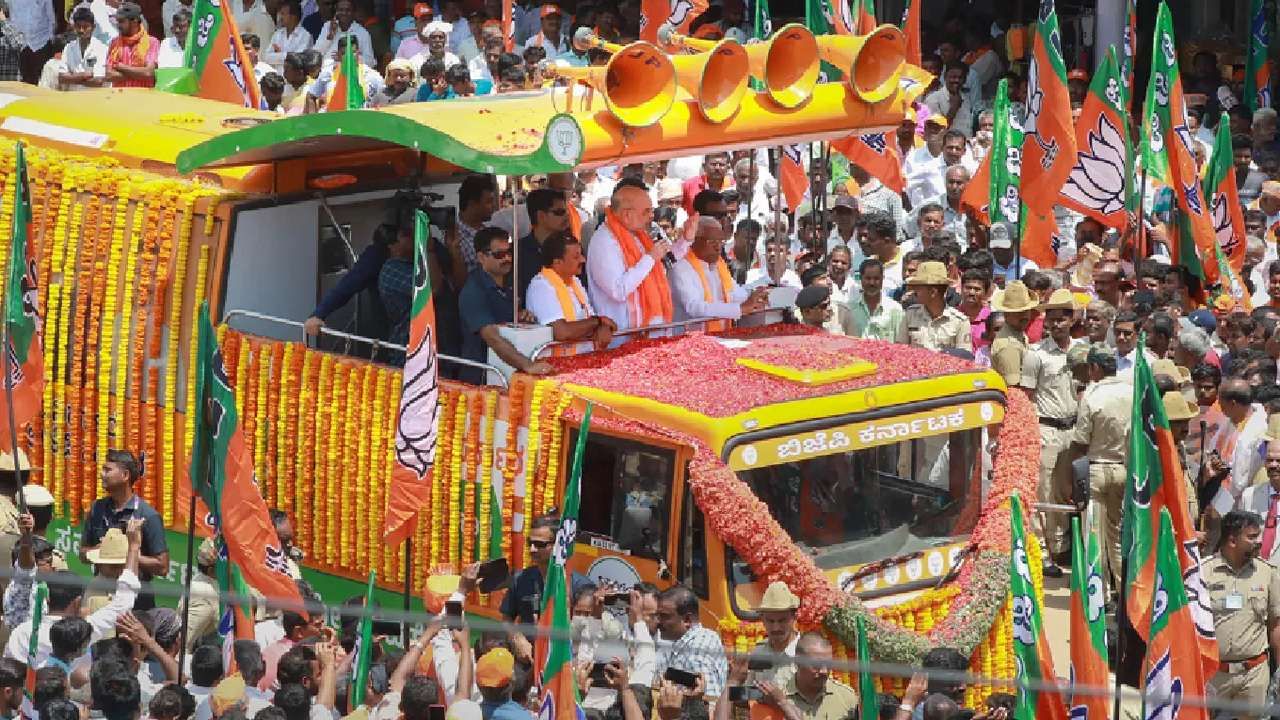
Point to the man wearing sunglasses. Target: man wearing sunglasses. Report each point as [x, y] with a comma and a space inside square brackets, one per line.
[485, 304]
[523, 602]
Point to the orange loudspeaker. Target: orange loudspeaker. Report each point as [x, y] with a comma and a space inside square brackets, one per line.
[638, 83]
[872, 63]
[717, 78]
[787, 63]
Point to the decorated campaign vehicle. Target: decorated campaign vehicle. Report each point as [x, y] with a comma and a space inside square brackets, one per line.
[871, 477]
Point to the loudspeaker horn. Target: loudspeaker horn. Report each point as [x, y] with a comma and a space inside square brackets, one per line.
[872, 63]
[787, 63]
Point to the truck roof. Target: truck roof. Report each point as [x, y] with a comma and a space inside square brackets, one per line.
[713, 387]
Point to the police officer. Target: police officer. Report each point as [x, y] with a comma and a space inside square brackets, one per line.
[1244, 593]
[777, 610]
[932, 324]
[1180, 414]
[1102, 435]
[1010, 344]
[1046, 375]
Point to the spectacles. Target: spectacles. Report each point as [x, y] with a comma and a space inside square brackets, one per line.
[499, 254]
[540, 544]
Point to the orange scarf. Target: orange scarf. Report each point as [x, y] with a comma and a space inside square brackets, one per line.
[141, 47]
[575, 222]
[562, 294]
[654, 294]
[726, 286]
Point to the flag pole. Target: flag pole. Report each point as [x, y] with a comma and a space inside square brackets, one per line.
[5, 347]
[408, 588]
[1122, 618]
[186, 583]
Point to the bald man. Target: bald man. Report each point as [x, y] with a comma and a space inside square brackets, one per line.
[702, 285]
[626, 278]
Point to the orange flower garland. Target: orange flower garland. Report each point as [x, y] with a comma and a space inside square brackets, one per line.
[512, 464]
[456, 485]
[471, 467]
[304, 466]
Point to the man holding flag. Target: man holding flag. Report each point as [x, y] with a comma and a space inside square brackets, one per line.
[1244, 592]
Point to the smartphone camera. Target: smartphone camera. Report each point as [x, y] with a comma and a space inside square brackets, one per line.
[742, 694]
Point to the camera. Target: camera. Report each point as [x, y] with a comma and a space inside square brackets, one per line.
[441, 217]
[621, 598]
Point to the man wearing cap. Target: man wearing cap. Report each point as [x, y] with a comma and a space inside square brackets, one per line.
[133, 54]
[777, 610]
[1010, 343]
[494, 671]
[1244, 595]
[12, 478]
[1101, 433]
[549, 36]
[1180, 414]
[203, 617]
[1005, 269]
[289, 36]
[932, 324]
[344, 25]
[1045, 374]
[423, 14]
[814, 303]
[65, 599]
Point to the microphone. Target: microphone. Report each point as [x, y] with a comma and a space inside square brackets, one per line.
[668, 260]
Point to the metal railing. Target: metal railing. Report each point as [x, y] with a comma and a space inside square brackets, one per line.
[680, 324]
[374, 343]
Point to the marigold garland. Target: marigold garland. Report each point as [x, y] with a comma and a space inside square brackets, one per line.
[456, 486]
[511, 465]
[486, 473]
[471, 467]
[533, 450]
[110, 311]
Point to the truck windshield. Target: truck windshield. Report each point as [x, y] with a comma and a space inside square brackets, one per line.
[863, 505]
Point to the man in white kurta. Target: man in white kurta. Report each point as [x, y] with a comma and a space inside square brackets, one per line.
[698, 284]
[556, 296]
[613, 283]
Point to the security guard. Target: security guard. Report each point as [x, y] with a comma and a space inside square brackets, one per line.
[1010, 344]
[1102, 434]
[932, 324]
[777, 610]
[1180, 414]
[1046, 375]
[811, 694]
[1244, 593]
[11, 480]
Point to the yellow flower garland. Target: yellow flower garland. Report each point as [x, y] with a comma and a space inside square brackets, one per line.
[540, 389]
[111, 313]
[456, 487]
[486, 472]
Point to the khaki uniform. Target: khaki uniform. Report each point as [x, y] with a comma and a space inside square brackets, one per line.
[1102, 425]
[1243, 604]
[9, 516]
[204, 608]
[836, 702]
[1045, 374]
[1007, 351]
[948, 330]
[780, 674]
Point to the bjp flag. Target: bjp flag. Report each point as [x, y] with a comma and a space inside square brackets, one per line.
[1224, 198]
[911, 28]
[217, 57]
[877, 154]
[1049, 150]
[24, 366]
[1088, 627]
[347, 92]
[1100, 183]
[1171, 676]
[1257, 74]
[795, 184]
[864, 16]
[675, 14]
[1030, 649]
[418, 419]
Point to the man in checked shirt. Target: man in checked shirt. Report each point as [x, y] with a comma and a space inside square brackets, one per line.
[688, 645]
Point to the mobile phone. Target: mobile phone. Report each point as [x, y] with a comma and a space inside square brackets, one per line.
[435, 712]
[493, 575]
[598, 677]
[759, 663]
[743, 694]
[622, 598]
[681, 677]
[453, 608]
[442, 217]
[531, 605]
[386, 627]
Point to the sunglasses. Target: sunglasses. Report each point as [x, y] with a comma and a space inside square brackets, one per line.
[541, 544]
[499, 254]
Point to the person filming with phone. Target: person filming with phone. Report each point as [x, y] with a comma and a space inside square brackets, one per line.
[694, 656]
[523, 601]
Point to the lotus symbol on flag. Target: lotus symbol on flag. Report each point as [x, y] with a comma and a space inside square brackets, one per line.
[680, 10]
[1023, 610]
[1113, 92]
[1035, 96]
[415, 440]
[1222, 225]
[1166, 48]
[1164, 691]
[1197, 596]
[1156, 142]
[564, 540]
[1095, 601]
[1162, 89]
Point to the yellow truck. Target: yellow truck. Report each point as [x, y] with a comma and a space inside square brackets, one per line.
[859, 472]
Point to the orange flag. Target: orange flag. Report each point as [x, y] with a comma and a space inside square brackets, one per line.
[1173, 680]
[792, 178]
[977, 194]
[875, 153]
[676, 14]
[508, 25]
[911, 28]
[1049, 150]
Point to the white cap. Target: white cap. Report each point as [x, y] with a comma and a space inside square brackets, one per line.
[437, 26]
[36, 496]
[464, 710]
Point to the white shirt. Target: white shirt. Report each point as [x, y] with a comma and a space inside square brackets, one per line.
[1007, 271]
[1257, 499]
[690, 300]
[542, 301]
[371, 80]
[93, 57]
[1245, 460]
[102, 621]
[282, 43]
[1124, 363]
[326, 46]
[554, 49]
[171, 8]
[104, 21]
[171, 54]
[758, 276]
[254, 20]
[34, 19]
[261, 69]
[612, 285]
[449, 60]
[478, 68]
[924, 175]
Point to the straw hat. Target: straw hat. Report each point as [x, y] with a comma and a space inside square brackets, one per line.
[6, 461]
[112, 551]
[1061, 299]
[930, 272]
[1015, 298]
[1273, 428]
[1177, 407]
[778, 598]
